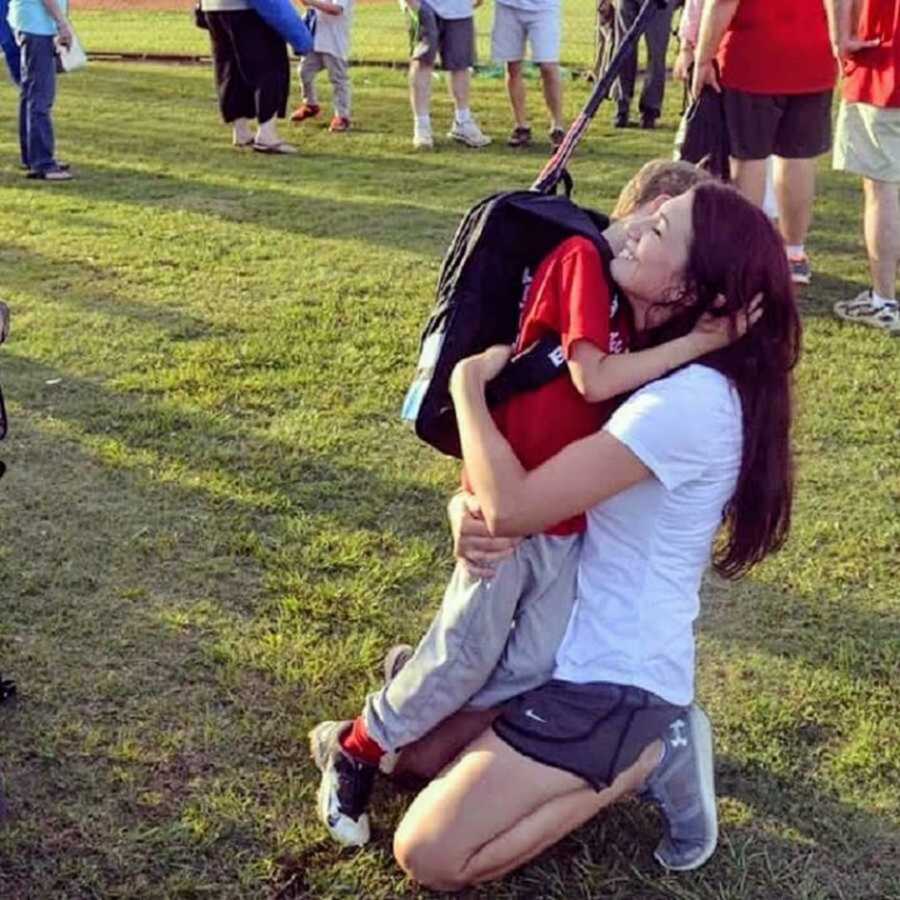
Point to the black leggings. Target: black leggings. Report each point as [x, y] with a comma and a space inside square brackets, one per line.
[253, 77]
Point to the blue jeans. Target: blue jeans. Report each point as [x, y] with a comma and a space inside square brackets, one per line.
[37, 94]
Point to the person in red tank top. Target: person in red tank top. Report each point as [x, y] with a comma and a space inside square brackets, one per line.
[867, 143]
[777, 71]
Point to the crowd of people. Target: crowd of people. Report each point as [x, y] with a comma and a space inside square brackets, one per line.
[558, 674]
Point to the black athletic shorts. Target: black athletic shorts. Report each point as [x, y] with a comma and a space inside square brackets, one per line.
[793, 126]
[594, 730]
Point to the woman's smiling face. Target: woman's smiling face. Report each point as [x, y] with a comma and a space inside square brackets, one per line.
[650, 268]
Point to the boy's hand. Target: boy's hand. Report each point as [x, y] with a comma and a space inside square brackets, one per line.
[713, 332]
[683, 62]
[473, 545]
[704, 74]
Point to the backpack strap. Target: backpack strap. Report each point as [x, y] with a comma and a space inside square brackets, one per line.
[555, 170]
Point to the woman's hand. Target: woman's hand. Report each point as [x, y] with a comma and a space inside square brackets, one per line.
[480, 368]
[713, 332]
[473, 545]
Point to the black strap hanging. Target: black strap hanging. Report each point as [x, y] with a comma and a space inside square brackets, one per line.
[555, 170]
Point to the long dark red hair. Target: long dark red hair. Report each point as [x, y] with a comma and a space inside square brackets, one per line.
[737, 253]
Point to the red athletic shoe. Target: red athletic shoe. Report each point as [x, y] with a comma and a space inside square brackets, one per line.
[339, 123]
[305, 111]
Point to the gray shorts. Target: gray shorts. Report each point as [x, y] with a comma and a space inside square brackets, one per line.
[453, 39]
[514, 28]
[595, 730]
[488, 642]
[792, 126]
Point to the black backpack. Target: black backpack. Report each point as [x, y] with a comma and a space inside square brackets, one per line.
[702, 136]
[495, 252]
[497, 247]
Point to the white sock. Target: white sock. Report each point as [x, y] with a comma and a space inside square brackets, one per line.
[463, 115]
[878, 301]
[795, 251]
[423, 123]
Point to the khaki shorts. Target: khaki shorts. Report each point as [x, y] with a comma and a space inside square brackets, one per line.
[867, 141]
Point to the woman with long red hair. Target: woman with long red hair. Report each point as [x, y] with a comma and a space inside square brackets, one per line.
[702, 452]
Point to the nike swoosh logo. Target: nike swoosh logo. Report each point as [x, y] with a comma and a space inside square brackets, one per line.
[531, 714]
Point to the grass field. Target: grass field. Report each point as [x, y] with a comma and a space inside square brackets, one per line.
[214, 523]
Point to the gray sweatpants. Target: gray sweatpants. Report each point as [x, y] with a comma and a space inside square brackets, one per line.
[657, 38]
[338, 74]
[488, 642]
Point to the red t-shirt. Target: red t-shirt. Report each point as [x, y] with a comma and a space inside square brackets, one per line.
[569, 296]
[873, 76]
[778, 47]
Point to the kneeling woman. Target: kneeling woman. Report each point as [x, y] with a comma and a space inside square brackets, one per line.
[706, 446]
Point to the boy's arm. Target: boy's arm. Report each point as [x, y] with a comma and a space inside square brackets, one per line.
[600, 376]
[64, 30]
[325, 6]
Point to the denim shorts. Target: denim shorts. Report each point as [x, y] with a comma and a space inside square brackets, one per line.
[595, 730]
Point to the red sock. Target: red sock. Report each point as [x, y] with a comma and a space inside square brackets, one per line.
[359, 745]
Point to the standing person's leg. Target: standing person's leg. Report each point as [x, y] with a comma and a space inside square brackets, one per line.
[653, 91]
[623, 88]
[508, 48]
[339, 75]
[881, 223]
[752, 121]
[545, 36]
[8, 45]
[424, 40]
[457, 38]
[38, 94]
[236, 102]
[262, 54]
[804, 133]
[310, 66]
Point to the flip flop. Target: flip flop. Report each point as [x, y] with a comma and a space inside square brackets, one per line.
[280, 148]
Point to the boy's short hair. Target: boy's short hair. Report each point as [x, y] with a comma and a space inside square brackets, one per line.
[657, 177]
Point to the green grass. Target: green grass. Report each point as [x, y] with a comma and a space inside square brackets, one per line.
[379, 32]
[214, 523]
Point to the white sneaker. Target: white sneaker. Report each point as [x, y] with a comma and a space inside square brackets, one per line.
[861, 309]
[422, 139]
[468, 133]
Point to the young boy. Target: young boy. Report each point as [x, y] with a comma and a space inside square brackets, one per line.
[495, 638]
[330, 25]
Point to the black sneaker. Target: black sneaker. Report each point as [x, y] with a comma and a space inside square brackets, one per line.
[557, 136]
[621, 119]
[345, 788]
[519, 137]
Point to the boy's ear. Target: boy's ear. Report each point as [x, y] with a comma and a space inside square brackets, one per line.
[654, 204]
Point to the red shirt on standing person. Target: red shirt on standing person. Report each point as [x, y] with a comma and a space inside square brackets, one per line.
[873, 76]
[778, 47]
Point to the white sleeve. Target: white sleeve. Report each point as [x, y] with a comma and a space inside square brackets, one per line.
[676, 425]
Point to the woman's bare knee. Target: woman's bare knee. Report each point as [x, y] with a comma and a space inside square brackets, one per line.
[426, 860]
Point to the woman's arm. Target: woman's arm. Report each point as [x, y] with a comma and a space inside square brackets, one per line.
[714, 22]
[514, 501]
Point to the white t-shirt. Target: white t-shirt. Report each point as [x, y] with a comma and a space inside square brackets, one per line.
[333, 32]
[646, 548]
[452, 9]
[532, 6]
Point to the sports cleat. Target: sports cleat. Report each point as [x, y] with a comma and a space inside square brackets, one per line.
[861, 310]
[468, 133]
[338, 124]
[395, 659]
[683, 787]
[520, 136]
[557, 136]
[345, 788]
[305, 111]
[801, 271]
